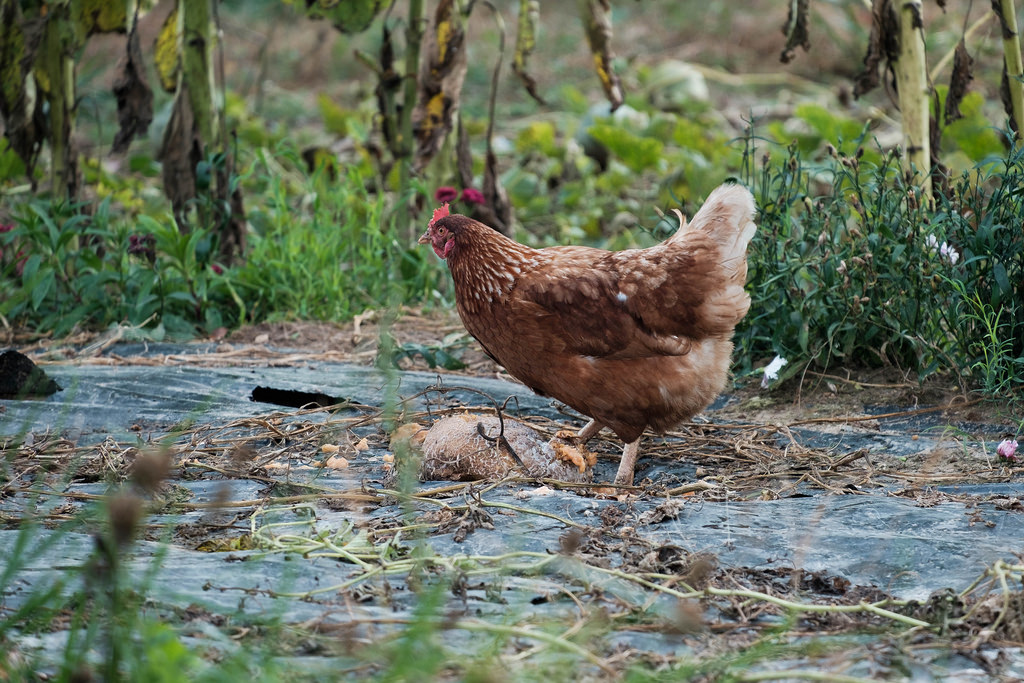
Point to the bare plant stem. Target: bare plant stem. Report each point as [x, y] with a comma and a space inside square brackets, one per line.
[1014, 65]
[914, 94]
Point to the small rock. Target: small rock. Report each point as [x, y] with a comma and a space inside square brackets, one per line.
[21, 378]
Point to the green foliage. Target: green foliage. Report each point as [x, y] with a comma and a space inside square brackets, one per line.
[639, 153]
[329, 254]
[65, 269]
[864, 273]
[334, 115]
[538, 136]
[814, 126]
[320, 250]
[11, 165]
[972, 134]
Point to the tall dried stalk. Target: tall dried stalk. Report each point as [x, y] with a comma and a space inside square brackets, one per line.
[914, 93]
[1014, 75]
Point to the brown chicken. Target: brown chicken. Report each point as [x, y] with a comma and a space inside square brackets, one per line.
[633, 339]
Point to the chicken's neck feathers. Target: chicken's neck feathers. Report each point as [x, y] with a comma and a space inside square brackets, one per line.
[486, 267]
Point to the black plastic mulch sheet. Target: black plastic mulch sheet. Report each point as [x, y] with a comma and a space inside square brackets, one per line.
[873, 537]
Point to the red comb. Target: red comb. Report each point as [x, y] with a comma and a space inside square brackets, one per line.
[440, 212]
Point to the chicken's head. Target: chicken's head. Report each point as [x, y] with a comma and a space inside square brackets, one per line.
[439, 235]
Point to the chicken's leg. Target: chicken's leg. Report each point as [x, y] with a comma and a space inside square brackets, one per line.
[630, 452]
[589, 431]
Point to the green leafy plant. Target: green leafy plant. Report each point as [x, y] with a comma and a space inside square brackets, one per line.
[862, 272]
[65, 269]
[443, 354]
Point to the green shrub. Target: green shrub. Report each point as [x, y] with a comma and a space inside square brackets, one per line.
[320, 249]
[861, 272]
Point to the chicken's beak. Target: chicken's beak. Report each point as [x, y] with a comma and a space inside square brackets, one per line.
[424, 238]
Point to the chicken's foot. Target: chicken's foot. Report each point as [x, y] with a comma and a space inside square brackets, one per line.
[580, 438]
[624, 477]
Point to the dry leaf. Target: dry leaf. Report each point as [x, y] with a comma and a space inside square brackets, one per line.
[597, 24]
[443, 66]
[526, 41]
[795, 29]
[134, 96]
[336, 462]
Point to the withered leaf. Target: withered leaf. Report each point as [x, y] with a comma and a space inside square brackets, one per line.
[883, 45]
[795, 29]
[597, 24]
[497, 212]
[940, 172]
[134, 96]
[443, 65]
[959, 81]
[463, 157]
[180, 154]
[1007, 99]
[388, 84]
[526, 41]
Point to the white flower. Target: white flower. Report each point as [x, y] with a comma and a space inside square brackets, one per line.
[1007, 448]
[949, 253]
[944, 250]
[771, 371]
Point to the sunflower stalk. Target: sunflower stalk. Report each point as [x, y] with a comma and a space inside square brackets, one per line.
[1012, 62]
[914, 93]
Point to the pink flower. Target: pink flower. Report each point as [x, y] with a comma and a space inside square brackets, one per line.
[216, 268]
[6, 227]
[1007, 449]
[473, 196]
[446, 194]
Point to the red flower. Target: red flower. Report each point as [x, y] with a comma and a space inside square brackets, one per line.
[473, 196]
[143, 245]
[446, 194]
[6, 227]
[216, 268]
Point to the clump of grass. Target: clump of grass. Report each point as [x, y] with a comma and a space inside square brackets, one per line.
[330, 251]
[66, 269]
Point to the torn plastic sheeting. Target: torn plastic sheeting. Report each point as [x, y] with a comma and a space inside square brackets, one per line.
[888, 542]
[269, 585]
[113, 398]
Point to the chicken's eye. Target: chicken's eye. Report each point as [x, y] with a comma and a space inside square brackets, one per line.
[441, 230]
